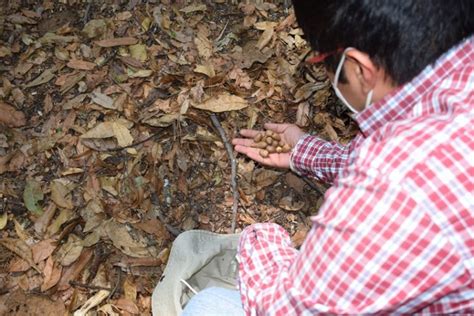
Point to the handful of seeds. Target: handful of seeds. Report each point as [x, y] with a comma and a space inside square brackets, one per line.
[270, 142]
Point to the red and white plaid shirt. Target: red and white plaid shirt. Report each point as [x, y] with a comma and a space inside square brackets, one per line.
[396, 231]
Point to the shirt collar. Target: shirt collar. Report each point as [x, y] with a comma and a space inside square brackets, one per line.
[399, 103]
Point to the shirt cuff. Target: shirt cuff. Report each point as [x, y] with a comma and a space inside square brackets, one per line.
[295, 151]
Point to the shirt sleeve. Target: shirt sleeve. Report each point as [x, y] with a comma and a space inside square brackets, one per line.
[372, 249]
[320, 159]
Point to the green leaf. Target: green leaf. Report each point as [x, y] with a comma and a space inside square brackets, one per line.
[32, 195]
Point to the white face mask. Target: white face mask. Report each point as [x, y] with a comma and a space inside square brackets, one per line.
[338, 92]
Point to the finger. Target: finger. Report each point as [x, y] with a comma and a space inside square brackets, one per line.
[250, 133]
[250, 152]
[248, 142]
[277, 128]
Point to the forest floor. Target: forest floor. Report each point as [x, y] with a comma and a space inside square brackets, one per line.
[107, 149]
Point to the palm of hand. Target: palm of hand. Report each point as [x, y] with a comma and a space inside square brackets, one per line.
[289, 133]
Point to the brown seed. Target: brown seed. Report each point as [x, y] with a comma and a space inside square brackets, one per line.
[281, 143]
[274, 143]
[269, 133]
[260, 145]
[271, 149]
[264, 153]
[286, 148]
[279, 149]
[276, 137]
[269, 140]
[258, 138]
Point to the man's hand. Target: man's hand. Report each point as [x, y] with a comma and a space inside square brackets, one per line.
[290, 134]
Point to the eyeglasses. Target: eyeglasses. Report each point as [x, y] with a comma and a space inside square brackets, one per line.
[321, 57]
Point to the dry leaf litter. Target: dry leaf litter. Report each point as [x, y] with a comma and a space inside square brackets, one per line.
[107, 150]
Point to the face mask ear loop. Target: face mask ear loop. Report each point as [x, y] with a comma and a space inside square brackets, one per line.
[369, 98]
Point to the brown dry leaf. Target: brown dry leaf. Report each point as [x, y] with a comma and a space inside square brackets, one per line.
[72, 272]
[203, 45]
[134, 245]
[92, 302]
[94, 28]
[154, 227]
[265, 38]
[63, 217]
[302, 114]
[21, 249]
[223, 102]
[10, 116]
[194, 8]
[60, 194]
[43, 250]
[130, 289]
[116, 129]
[265, 177]
[206, 69]
[18, 303]
[45, 77]
[288, 203]
[103, 100]
[300, 235]
[52, 274]
[119, 41]
[80, 64]
[70, 251]
[127, 305]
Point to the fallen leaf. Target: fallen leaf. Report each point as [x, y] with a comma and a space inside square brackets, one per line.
[138, 51]
[223, 102]
[3, 220]
[103, 100]
[60, 194]
[80, 64]
[92, 302]
[127, 305]
[21, 249]
[52, 274]
[111, 129]
[95, 28]
[51, 38]
[265, 38]
[45, 77]
[207, 70]
[70, 251]
[122, 239]
[203, 45]
[194, 8]
[18, 303]
[32, 195]
[10, 116]
[288, 203]
[43, 250]
[118, 41]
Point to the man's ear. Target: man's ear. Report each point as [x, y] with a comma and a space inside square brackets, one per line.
[367, 72]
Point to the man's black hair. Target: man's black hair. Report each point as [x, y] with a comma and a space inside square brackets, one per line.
[402, 36]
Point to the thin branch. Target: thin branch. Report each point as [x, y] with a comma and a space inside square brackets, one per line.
[88, 286]
[233, 162]
[85, 19]
[313, 186]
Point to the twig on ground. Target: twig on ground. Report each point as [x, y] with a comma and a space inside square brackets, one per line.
[85, 19]
[233, 162]
[172, 230]
[222, 32]
[88, 286]
[312, 185]
[119, 279]
[161, 131]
